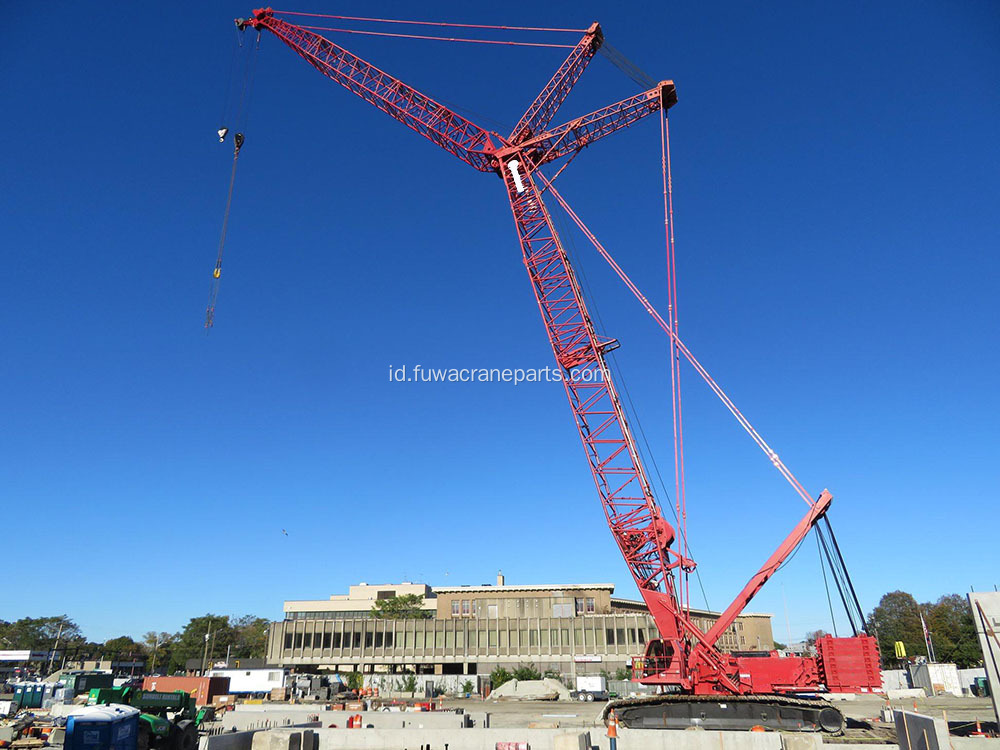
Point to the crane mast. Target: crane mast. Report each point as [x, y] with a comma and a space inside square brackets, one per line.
[684, 658]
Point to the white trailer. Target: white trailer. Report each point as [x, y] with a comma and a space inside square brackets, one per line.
[251, 681]
[590, 687]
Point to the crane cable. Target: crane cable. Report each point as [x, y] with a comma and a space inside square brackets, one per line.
[628, 405]
[240, 121]
[424, 23]
[437, 38]
[680, 493]
[682, 348]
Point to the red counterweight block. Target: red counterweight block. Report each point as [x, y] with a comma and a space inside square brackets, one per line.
[849, 665]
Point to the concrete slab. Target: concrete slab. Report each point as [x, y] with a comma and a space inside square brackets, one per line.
[918, 732]
[455, 739]
[683, 739]
[277, 739]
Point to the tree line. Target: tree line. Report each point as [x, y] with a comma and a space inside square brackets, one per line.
[896, 618]
[163, 652]
[949, 623]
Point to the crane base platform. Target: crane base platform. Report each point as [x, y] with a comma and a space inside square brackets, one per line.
[730, 712]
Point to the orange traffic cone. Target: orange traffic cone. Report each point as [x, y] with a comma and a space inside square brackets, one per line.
[612, 725]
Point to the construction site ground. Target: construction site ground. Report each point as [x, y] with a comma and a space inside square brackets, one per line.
[861, 709]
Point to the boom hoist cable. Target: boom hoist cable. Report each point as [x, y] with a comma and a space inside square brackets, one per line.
[240, 121]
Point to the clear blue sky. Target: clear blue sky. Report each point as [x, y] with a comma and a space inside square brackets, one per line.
[836, 170]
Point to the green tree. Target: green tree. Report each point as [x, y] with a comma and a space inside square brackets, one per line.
[896, 618]
[814, 635]
[159, 646]
[40, 633]
[405, 607]
[953, 631]
[191, 642]
[408, 684]
[527, 672]
[623, 673]
[250, 636]
[468, 687]
[355, 680]
[499, 676]
[123, 646]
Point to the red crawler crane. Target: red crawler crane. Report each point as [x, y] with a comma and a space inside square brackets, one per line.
[700, 684]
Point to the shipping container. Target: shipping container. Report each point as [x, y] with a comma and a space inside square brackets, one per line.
[81, 683]
[204, 689]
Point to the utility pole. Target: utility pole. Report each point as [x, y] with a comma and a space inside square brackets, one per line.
[156, 645]
[204, 655]
[52, 655]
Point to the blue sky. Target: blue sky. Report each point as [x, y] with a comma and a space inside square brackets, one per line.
[836, 175]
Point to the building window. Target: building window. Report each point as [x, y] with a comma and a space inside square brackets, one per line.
[610, 635]
[385, 595]
[491, 611]
[579, 606]
[466, 609]
[454, 608]
[562, 610]
[590, 605]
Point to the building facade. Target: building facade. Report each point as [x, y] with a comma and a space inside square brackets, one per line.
[569, 629]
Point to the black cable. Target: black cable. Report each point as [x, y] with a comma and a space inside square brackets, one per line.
[627, 67]
[227, 97]
[841, 588]
[850, 583]
[826, 585]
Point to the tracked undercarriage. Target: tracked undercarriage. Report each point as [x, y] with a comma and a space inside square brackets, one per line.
[742, 712]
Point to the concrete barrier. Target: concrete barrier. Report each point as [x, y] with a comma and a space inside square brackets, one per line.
[242, 740]
[902, 693]
[697, 739]
[918, 732]
[242, 720]
[455, 739]
[974, 743]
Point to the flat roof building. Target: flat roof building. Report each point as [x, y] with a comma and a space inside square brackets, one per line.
[571, 629]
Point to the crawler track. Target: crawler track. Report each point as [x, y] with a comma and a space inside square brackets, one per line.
[741, 712]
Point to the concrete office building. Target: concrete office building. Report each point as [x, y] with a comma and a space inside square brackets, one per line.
[569, 628]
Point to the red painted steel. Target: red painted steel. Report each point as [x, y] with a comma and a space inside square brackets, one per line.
[683, 657]
[849, 665]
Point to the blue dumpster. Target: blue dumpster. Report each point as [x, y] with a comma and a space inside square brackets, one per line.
[111, 727]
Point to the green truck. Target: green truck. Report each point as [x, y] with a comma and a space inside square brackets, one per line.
[168, 721]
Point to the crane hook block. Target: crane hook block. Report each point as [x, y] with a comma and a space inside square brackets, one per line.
[222, 134]
[217, 273]
[238, 138]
